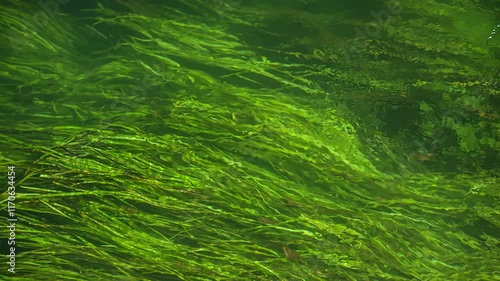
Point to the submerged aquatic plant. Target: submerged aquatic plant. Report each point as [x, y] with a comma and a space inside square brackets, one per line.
[177, 146]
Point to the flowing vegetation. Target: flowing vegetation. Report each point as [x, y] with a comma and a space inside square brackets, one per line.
[235, 140]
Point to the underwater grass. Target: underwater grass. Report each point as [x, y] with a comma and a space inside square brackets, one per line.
[167, 156]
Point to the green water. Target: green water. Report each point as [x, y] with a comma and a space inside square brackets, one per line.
[250, 140]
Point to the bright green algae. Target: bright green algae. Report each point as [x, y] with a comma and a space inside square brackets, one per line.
[166, 142]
